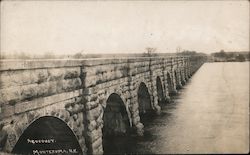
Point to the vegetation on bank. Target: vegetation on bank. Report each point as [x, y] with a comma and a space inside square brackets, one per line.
[85, 56]
[149, 52]
[223, 56]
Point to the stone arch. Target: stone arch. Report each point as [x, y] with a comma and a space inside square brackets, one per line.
[170, 85]
[21, 123]
[121, 95]
[182, 74]
[144, 100]
[148, 87]
[115, 112]
[177, 79]
[187, 74]
[48, 133]
[160, 91]
[116, 123]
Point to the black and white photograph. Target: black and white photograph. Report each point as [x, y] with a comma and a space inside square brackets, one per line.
[124, 77]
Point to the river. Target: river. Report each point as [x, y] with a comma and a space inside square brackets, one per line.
[210, 114]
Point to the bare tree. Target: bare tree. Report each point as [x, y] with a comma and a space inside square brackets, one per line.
[150, 52]
[178, 49]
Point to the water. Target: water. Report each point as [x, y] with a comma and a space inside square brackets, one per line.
[209, 115]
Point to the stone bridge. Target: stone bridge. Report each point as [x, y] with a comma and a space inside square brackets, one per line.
[84, 101]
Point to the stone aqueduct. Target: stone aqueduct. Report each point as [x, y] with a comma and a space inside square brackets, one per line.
[85, 93]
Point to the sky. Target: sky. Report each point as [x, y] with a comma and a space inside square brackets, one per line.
[68, 27]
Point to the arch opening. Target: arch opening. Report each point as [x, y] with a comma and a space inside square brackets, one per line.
[170, 85]
[116, 121]
[116, 126]
[144, 102]
[177, 80]
[47, 135]
[182, 77]
[160, 94]
[186, 73]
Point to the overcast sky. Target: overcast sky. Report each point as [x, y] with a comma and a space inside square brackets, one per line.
[66, 27]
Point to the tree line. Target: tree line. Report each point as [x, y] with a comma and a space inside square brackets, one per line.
[230, 56]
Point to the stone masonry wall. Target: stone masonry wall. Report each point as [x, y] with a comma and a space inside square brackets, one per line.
[30, 90]
[123, 77]
[76, 91]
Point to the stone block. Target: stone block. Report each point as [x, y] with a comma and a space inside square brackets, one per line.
[71, 73]
[136, 120]
[99, 121]
[90, 81]
[80, 117]
[22, 77]
[29, 91]
[139, 129]
[44, 101]
[71, 84]
[77, 108]
[11, 139]
[89, 91]
[10, 95]
[6, 111]
[135, 113]
[55, 74]
[92, 125]
[31, 115]
[44, 88]
[91, 105]
[96, 145]
[94, 135]
[128, 102]
[75, 117]
[52, 87]
[83, 145]
[74, 127]
[100, 149]
[94, 98]
[134, 107]
[93, 114]
[78, 100]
